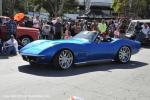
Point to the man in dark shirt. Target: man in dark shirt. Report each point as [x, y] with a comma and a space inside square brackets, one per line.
[57, 29]
[11, 27]
[28, 22]
[138, 29]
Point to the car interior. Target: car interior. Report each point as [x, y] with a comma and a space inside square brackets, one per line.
[101, 38]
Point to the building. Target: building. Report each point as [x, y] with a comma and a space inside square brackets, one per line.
[96, 8]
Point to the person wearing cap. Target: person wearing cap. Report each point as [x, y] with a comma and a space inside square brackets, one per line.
[11, 46]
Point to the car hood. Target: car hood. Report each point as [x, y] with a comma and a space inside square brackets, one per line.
[38, 46]
[27, 28]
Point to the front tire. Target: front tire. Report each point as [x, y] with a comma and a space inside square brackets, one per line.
[25, 40]
[63, 60]
[124, 54]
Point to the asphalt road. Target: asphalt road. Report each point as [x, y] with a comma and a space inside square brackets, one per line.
[101, 81]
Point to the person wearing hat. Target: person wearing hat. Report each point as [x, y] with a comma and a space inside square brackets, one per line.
[11, 46]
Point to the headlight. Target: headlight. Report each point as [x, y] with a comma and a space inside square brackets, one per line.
[128, 35]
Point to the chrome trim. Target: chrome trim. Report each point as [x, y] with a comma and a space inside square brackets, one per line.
[93, 61]
[31, 55]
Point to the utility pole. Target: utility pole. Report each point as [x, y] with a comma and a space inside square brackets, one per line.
[1, 4]
[84, 5]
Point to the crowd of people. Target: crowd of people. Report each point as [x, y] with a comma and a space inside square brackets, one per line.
[56, 29]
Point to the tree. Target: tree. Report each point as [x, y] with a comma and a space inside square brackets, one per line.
[138, 7]
[116, 5]
[8, 7]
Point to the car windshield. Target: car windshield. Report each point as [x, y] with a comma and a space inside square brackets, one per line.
[89, 35]
[131, 27]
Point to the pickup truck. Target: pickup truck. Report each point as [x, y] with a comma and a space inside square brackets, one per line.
[24, 35]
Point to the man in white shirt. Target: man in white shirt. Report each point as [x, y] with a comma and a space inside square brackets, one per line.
[145, 29]
[36, 22]
[11, 46]
[46, 30]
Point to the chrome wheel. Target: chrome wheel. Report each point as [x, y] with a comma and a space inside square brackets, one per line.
[25, 41]
[124, 54]
[65, 59]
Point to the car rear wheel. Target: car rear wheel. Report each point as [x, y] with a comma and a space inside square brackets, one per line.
[124, 54]
[25, 40]
[63, 60]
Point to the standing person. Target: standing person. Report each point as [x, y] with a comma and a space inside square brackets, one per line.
[93, 26]
[57, 29]
[111, 28]
[145, 30]
[11, 27]
[67, 32]
[102, 27]
[77, 28]
[72, 28]
[84, 28]
[46, 30]
[138, 33]
[28, 22]
[36, 22]
[51, 34]
[116, 33]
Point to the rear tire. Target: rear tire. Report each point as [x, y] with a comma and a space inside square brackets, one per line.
[63, 59]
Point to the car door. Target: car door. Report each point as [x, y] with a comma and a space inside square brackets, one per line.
[100, 50]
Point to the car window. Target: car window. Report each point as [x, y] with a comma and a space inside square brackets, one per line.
[131, 27]
[89, 35]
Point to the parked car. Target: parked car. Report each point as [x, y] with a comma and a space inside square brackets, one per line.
[24, 35]
[130, 33]
[86, 46]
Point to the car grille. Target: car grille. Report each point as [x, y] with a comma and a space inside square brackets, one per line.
[30, 58]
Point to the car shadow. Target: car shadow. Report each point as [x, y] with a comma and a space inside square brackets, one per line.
[146, 46]
[48, 71]
[6, 56]
[2, 56]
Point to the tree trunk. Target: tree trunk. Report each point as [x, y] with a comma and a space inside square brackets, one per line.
[56, 7]
[8, 7]
[61, 7]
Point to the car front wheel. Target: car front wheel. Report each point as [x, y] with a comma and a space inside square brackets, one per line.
[63, 60]
[25, 40]
[124, 54]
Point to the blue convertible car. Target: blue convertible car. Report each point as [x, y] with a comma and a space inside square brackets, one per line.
[84, 47]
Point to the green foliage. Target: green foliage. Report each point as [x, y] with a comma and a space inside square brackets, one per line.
[116, 5]
[19, 6]
[137, 6]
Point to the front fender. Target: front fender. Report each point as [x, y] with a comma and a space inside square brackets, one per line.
[77, 49]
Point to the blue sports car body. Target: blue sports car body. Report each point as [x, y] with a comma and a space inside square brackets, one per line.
[84, 47]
